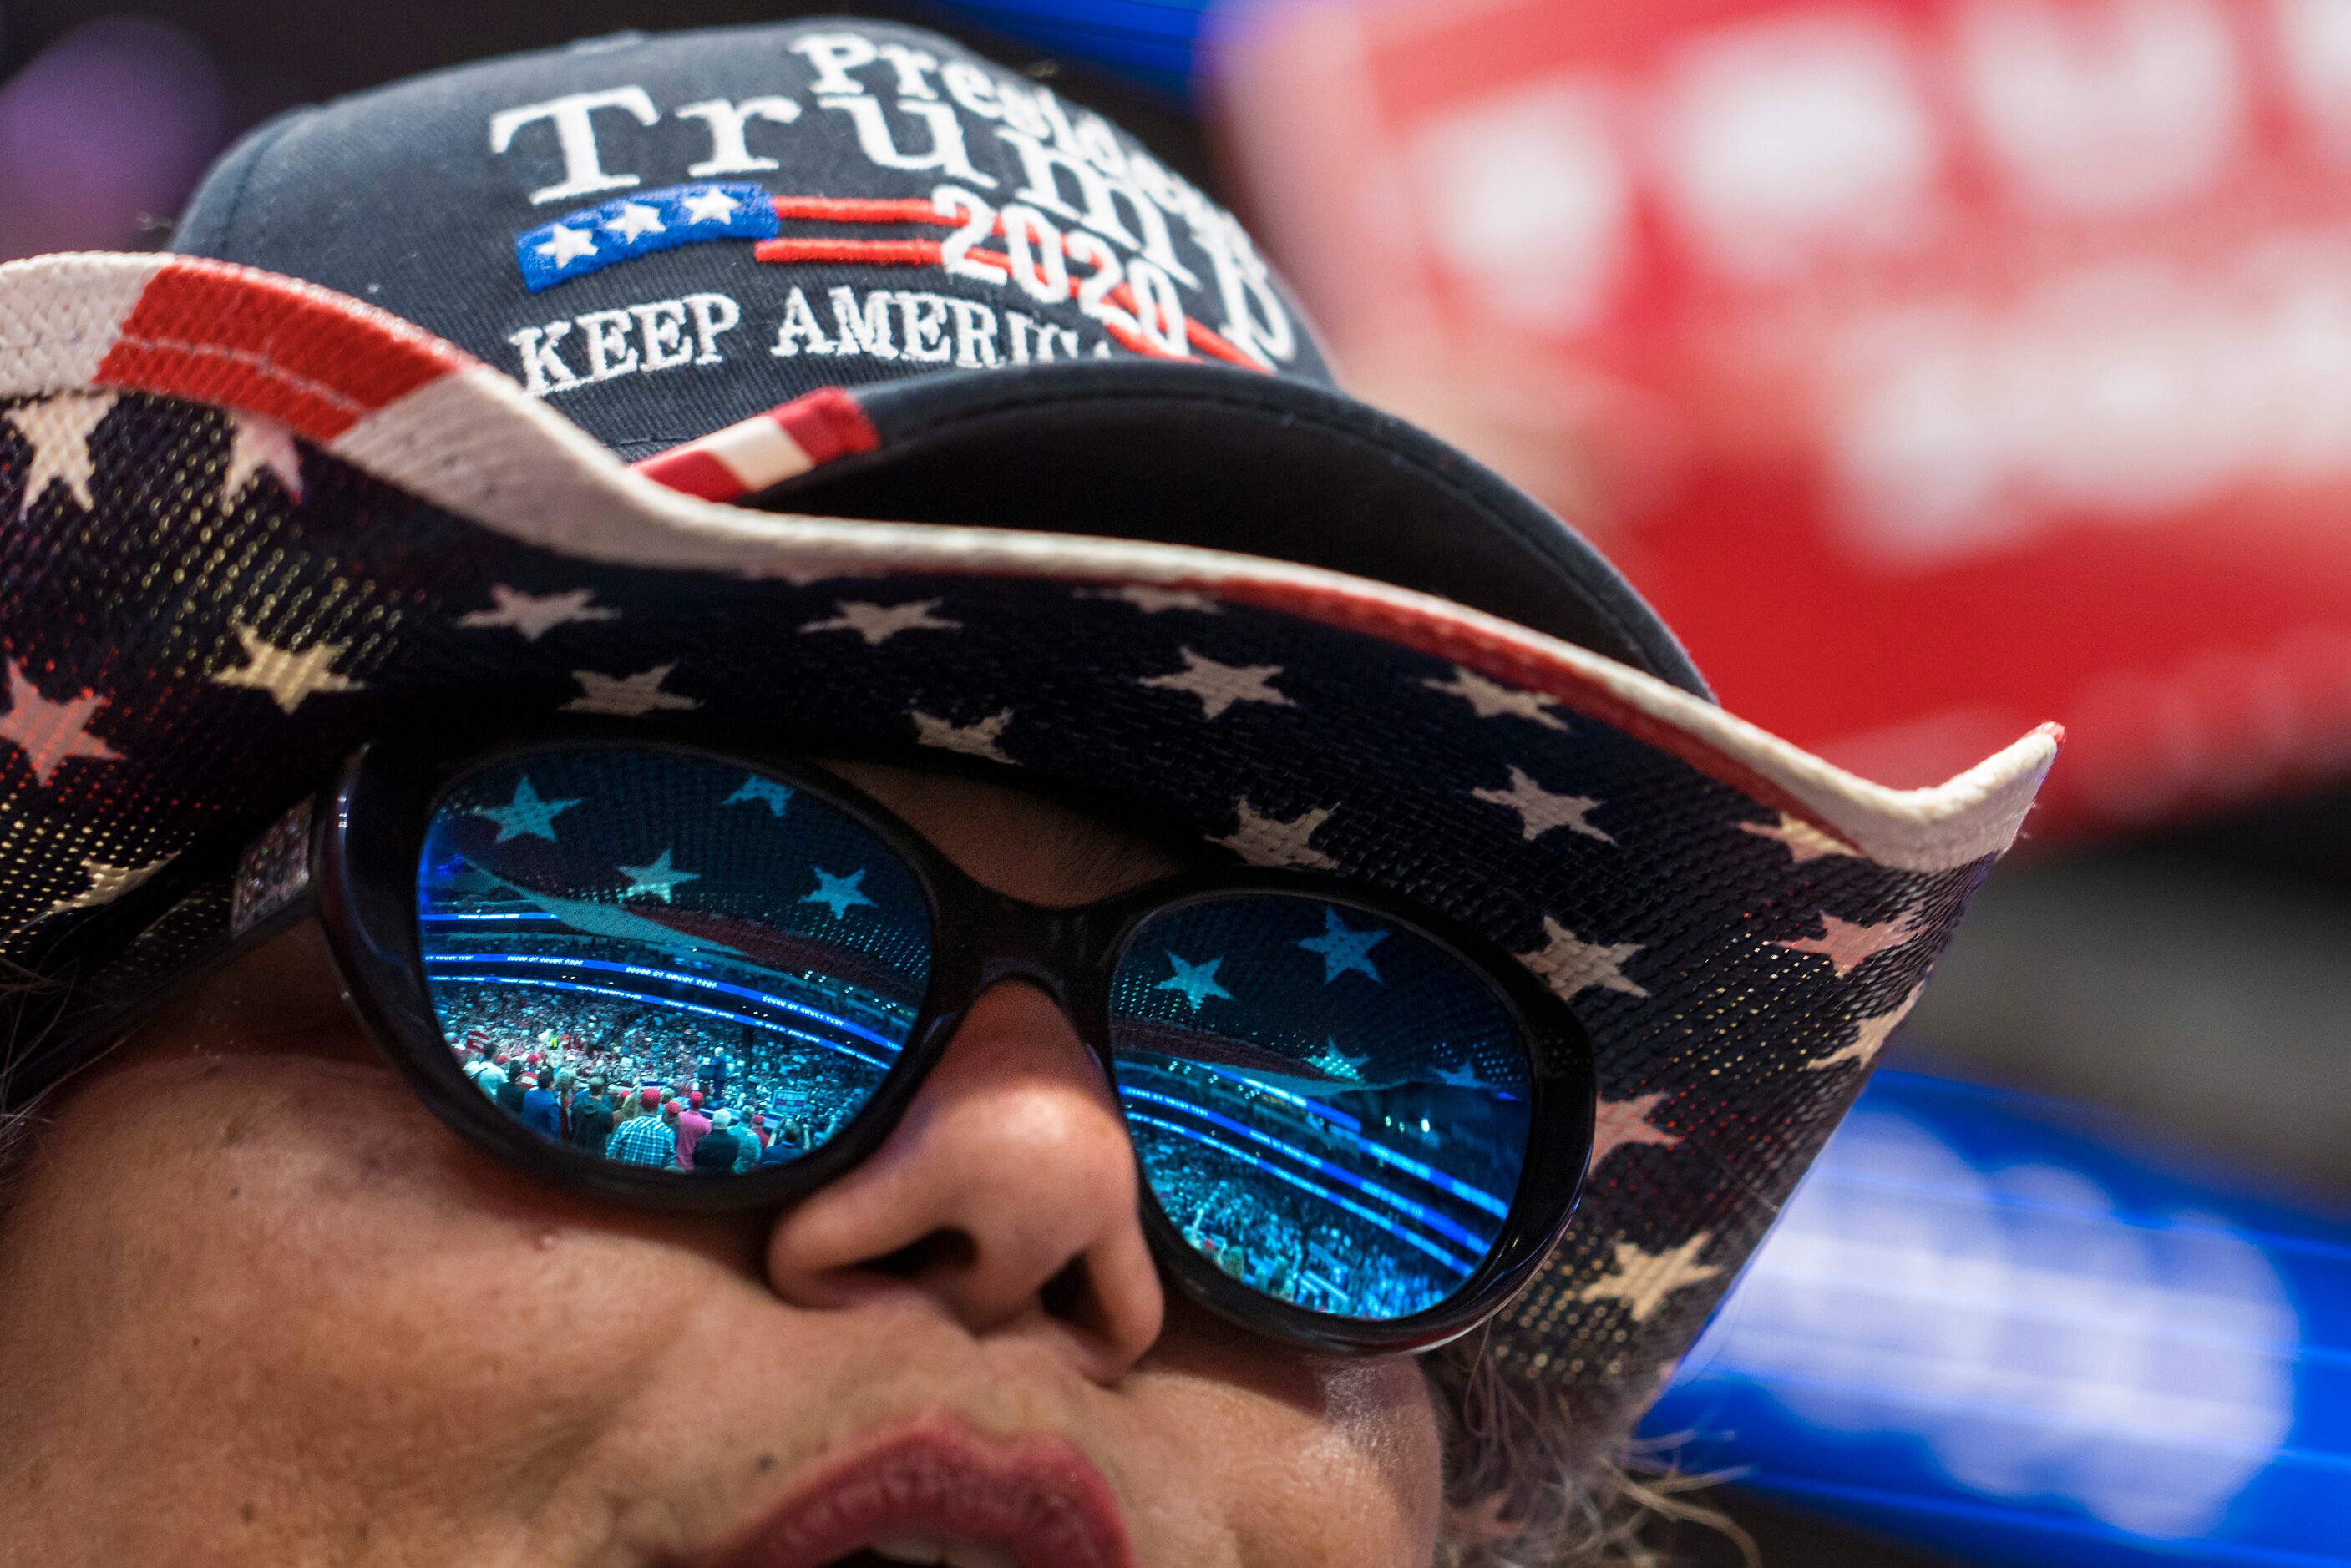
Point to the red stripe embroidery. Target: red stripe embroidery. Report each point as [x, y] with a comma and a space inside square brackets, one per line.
[827, 424]
[694, 472]
[224, 334]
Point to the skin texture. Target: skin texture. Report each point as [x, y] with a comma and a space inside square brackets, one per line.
[260, 1307]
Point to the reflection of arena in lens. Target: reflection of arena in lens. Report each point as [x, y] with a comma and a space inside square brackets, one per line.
[651, 958]
[1331, 1109]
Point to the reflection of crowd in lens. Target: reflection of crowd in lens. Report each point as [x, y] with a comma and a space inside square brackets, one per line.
[646, 1085]
[1278, 1239]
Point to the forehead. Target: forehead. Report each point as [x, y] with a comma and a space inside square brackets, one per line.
[1023, 845]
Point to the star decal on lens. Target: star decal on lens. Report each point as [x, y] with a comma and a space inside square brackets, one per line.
[290, 678]
[51, 733]
[1465, 1076]
[838, 893]
[526, 815]
[656, 879]
[764, 792]
[536, 615]
[1344, 949]
[1195, 982]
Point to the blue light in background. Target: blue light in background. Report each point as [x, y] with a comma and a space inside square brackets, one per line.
[1152, 41]
[1999, 1327]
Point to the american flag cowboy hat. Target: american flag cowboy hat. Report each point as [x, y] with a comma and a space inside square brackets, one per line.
[825, 380]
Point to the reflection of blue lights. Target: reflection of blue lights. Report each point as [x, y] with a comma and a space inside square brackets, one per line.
[1402, 1233]
[674, 1004]
[644, 971]
[1377, 1151]
[1420, 1211]
[1988, 1325]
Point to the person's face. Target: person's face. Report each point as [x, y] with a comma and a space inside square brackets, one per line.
[249, 1285]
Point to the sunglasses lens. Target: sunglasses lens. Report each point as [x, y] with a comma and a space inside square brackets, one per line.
[1329, 1106]
[663, 960]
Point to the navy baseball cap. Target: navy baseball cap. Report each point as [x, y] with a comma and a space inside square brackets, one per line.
[1036, 323]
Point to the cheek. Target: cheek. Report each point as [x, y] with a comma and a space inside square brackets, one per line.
[1339, 1466]
[331, 1294]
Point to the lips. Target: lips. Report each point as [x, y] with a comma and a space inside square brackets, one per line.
[940, 1492]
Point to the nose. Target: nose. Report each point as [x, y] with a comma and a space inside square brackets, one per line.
[1005, 1198]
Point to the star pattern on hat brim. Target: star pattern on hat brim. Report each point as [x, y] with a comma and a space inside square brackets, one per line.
[1626, 1124]
[290, 676]
[628, 696]
[1849, 944]
[1572, 965]
[259, 445]
[533, 616]
[877, 624]
[1643, 1280]
[1540, 810]
[1870, 1035]
[59, 430]
[48, 734]
[1220, 687]
[1266, 840]
[982, 738]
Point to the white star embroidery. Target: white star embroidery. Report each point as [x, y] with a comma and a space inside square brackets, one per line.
[1571, 965]
[1341, 948]
[1195, 982]
[1641, 1280]
[978, 739]
[627, 696]
[838, 893]
[1801, 840]
[566, 245]
[291, 679]
[1620, 1124]
[536, 615]
[1153, 601]
[108, 883]
[59, 430]
[1493, 701]
[709, 205]
[526, 815]
[255, 445]
[1219, 686]
[878, 624]
[1871, 1034]
[635, 222]
[1540, 810]
[657, 879]
[1264, 840]
[1848, 945]
[51, 733]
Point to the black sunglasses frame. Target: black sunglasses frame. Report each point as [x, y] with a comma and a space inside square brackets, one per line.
[349, 859]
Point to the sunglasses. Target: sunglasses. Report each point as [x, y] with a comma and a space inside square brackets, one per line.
[681, 979]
